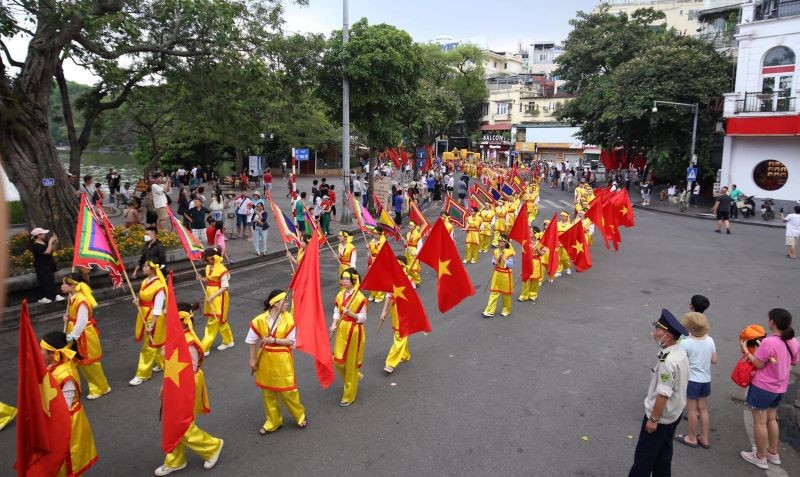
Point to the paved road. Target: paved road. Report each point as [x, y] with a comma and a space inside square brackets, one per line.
[514, 396]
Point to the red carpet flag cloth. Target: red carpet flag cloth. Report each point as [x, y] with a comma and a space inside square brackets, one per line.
[43, 420]
[574, 242]
[456, 212]
[192, 248]
[177, 391]
[92, 245]
[387, 275]
[439, 252]
[309, 315]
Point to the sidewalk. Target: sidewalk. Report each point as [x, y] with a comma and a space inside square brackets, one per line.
[703, 211]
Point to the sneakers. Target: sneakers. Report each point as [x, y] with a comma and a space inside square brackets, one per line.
[728, 231]
[486, 315]
[157, 369]
[558, 274]
[206, 354]
[773, 458]
[344, 403]
[164, 470]
[569, 271]
[92, 397]
[388, 369]
[463, 261]
[136, 381]
[45, 300]
[210, 463]
[371, 299]
[59, 298]
[752, 457]
[504, 314]
[224, 346]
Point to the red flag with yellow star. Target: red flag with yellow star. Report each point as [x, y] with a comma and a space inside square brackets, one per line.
[521, 233]
[610, 224]
[595, 214]
[177, 392]
[439, 252]
[387, 275]
[574, 242]
[623, 209]
[550, 242]
[43, 420]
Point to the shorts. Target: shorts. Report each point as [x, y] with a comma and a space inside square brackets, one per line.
[723, 215]
[696, 390]
[241, 219]
[791, 241]
[761, 400]
[161, 213]
[462, 196]
[267, 186]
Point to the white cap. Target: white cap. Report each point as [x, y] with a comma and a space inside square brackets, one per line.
[38, 231]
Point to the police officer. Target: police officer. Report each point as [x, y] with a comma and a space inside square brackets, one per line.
[666, 398]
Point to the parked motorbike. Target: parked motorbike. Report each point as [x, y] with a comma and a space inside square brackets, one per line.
[747, 206]
[767, 212]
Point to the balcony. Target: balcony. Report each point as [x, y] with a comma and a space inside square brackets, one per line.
[720, 40]
[770, 9]
[777, 102]
[501, 117]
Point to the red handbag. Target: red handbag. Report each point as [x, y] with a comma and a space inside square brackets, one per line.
[743, 372]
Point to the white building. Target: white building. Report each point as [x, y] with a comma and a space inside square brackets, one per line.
[502, 63]
[681, 15]
[542, 57]
[761, 152]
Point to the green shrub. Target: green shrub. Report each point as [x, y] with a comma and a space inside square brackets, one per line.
[15, 215]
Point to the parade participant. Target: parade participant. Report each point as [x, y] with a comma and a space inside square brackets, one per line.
[7, 414]
[349, 315]
[374, 247]
[150, 323]
[665, 400]
[564, 263]
[530, 287]
[487, 214]
[301, 250]
[82, 328]
[399, 352]
[472, 237]
[502, 279]
[271, 338]
[413, 244]
[58, 357]
[347, 252]
[448, 224]
[531, 198]
[217, 301]
[588, 226]
[201, 442]
[500, 226]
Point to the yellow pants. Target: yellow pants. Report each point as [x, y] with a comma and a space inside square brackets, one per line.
[496, 238]
[350, 375]
[196, 439]
[147, 358]
[212, 328]
[7, 414]
[530, 290]
[471, 253]
[94, 375]
[492, 305]
[486, 241]
[377, 296]
[564, 262]
[398, 352]
[291, 400]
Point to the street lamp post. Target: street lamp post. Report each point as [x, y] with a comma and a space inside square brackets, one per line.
[345, 219]
[692, 158]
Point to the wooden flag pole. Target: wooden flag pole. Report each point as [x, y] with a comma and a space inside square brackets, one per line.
[287, 251]
[317, 230]
[270, 329]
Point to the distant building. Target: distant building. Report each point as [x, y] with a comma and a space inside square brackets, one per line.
[542, 57]
[449, 43]
[681, 15]
[500, 63]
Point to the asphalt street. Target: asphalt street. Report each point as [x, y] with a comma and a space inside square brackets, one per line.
[556, 389]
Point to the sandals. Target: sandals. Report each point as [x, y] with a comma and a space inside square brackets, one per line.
[682, 439]
[701, 443]
[303, 424]
[263, 432]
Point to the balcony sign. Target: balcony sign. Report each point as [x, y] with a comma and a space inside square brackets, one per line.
[493, 138]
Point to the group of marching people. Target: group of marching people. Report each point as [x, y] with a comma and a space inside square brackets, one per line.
[271, 334]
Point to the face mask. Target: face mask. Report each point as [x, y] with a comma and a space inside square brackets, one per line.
[147, 238]
[659, 342]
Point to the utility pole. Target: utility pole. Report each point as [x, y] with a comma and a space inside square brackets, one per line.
[346, 217]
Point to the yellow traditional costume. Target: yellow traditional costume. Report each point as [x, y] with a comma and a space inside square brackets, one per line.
[472, 238]
[274, 374]
[530, 196]
[487, 214]
[500, 225]
[502, 280]
[7, 414]
[217, 311]
[399, 352]
[201, 442]
[82, 328]
[347, 252]
[448, 226]
[348, 349]
[564, 263]
[413, 239]
[530, 287]
[150, 324]
[82, 450]
[374, 247]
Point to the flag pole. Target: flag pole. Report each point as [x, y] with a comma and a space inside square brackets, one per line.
[270, 329]
[287, 251]
[317, 230]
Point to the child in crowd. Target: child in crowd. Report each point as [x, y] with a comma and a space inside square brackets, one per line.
[131, 215]
[219, 242]
[702, 354]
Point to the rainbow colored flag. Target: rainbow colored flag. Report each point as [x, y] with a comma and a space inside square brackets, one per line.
[369, 221]
[389, 226]
[193, 249]
[93, 247]
[285, 224]
[357, 212]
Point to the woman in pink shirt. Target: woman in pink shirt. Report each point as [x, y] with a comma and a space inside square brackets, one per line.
[773, 360]
[219, 241]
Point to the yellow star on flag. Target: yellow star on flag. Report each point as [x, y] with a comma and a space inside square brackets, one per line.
[397, 292]
[578, 247]
[173, 368]
[47, 392]
[443, 268]
[624, 211]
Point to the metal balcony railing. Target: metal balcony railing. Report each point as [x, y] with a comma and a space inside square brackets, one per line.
[770, 9]
[777, 102]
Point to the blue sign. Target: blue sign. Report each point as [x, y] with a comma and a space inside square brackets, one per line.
[48, 182]
[422, 153]
[421, 163]
[691, 174]
[301, 154]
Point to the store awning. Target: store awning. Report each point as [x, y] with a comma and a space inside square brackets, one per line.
[763, 126]
[496, 127]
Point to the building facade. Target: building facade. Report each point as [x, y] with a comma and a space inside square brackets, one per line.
[761, 152]
[542, 57]
[681, 15]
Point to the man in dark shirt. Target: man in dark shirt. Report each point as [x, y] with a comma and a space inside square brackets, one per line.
[153, 251]
[398, 207]
[723, 209]
[197, 219]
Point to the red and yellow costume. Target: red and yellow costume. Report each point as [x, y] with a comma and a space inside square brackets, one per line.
[217, 311]
[150, 323]
[502, 281]
[530, 287]
[82, 327]
[413, 238]
[347, 252]
[348, 349]
[530, 196]
[374, 247]
[487, 214]
[500, 225]
[399, 352]
[7, 414]
[564, 263]
[472, 238]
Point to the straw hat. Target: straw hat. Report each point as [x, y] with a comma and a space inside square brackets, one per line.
[695, 323]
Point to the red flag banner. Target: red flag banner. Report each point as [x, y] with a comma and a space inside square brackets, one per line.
[521, 233]
[309, 315]
[43, 420]
[385, 274]
[611, 225]
[416, 215]
[439, 252]
[574, 242]
[623, 209]
[550, 241]
[595, 214]
[456, 212]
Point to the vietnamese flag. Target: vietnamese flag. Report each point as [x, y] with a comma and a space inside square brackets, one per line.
[387, 275]
[416, 216]
[521, 233]
[623, 209]
[595, 214]
[43, 420]
[550, 241]
[309, 315]
[439, 252]
[574, 242]
[177, 390]
[611, 225]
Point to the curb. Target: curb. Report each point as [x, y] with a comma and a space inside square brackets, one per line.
[709, 217]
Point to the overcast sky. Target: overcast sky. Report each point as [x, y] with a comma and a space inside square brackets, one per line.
[501, 24]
